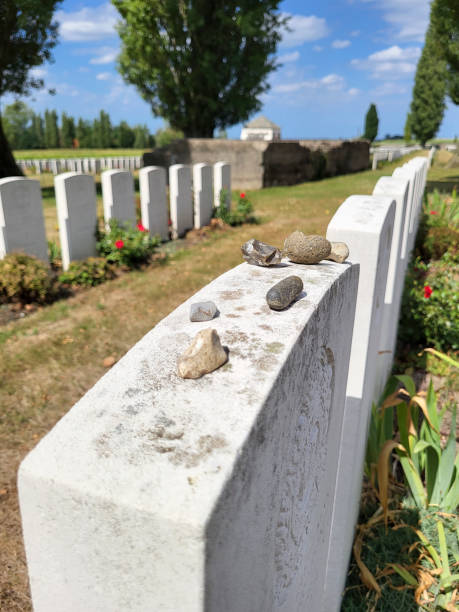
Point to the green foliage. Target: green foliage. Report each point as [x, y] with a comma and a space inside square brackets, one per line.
[51, 129]
[201, 65]
[90, 272]
[126, 245]
[445, 23]
[24, 279]
[165, 136]
[428, 99]
[54, 252]
[431, 316]
[67, 131]
[407, 129]
[17, 119]
[371, 123]
[242, 213]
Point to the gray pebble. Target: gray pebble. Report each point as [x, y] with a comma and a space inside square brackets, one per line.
[259, 253]
[304, 249]
[284, 292]
[202, 311]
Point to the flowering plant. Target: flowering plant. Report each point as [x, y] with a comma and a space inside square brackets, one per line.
[126, 245]
[241, 214]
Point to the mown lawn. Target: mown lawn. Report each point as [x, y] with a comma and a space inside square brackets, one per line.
[51, 357]
[67, 153]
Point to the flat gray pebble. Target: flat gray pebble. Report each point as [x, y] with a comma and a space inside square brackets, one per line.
[202, 311]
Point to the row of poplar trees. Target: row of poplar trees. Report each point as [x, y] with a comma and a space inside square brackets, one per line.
[437, 73]
[25, 129]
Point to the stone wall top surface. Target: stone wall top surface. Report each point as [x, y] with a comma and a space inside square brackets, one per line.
[142, 436]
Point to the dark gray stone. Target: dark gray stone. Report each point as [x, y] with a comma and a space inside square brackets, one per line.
[259, 253]
[304, 249]
[284, 292]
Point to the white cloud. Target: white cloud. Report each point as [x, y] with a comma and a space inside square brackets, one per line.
[408, 18]
[388, 89]
[330, 82]
[104, 76]
[355, 33]
[317, 48]
[89, 23]
[333, 81]
[340, 44]
[391, 63]
[289, 57]
[105, 55]
[38, 73]
[303, 29]
[353, 91]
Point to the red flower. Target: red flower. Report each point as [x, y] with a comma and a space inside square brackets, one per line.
[170, 221]
[141, 228]
[242, 195]
[427, 291]
[433, 212]
[119, 244]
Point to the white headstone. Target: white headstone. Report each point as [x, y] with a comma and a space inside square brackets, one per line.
[22, 226]
[181, 202]
[222, 182]
[153, 201]
[365, 224]
[203, 194]
[77, 216]
[158, 493]
[118, 196]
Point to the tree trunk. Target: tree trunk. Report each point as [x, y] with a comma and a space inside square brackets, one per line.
[8, 166]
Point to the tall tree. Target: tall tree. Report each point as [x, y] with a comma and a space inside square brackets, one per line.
[429, 91]
[84, 133]
[371, 123]
[201, 65]
[27, 35]
[105, 128]
[444, 18]
[17, 120]
[38, 132]
[67, 131]
[124, 135]
[51, 130]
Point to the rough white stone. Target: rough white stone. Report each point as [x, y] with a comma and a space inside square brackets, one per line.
[398, 188]
[153, 201]
[203, 194]
[365, 224]
[118, 196]
[222, 181]
[409, 174]
[22, 226]
[181, 202]
[77, 216]
[158, 493]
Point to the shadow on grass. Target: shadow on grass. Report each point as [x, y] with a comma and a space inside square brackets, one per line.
[446, 185]
[380, 547]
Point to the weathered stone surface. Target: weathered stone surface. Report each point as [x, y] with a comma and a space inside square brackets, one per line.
[259, 253]
[283, 293]
[339, 252]
[304, 249]
[202, 311]
[205, 354]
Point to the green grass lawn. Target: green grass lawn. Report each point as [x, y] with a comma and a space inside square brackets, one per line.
[67, 153]
[51, 357]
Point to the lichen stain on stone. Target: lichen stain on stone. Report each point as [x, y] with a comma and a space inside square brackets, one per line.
[131, 410]
[227, 367]
[265, 327]
[241, 308]
[232, 316]
[265, 363]
[235, 337]
[330, 356]
[206, 445]
[274, 347]
[231, 295]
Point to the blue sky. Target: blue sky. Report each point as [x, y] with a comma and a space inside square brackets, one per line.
[339, 56]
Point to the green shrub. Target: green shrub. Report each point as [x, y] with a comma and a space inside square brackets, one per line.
[126, 245]
[430, 306]
[24, 279]
[241, 214]
[90, 272]
[54, 253]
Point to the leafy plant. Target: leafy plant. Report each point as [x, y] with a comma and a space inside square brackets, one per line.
[24, 279]
[242, 213]
[126, 245]
[90, 272]
[54, 252]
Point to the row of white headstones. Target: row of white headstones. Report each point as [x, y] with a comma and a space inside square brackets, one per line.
[193, 194]
[88, 165]
[240, 491]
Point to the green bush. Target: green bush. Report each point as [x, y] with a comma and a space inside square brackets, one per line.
[430, 306]
[90, 272]
[242, 213]
[126, 245]
[24, 279]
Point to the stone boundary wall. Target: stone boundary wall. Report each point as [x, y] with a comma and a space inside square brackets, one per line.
[257, 164]
[237, 491]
